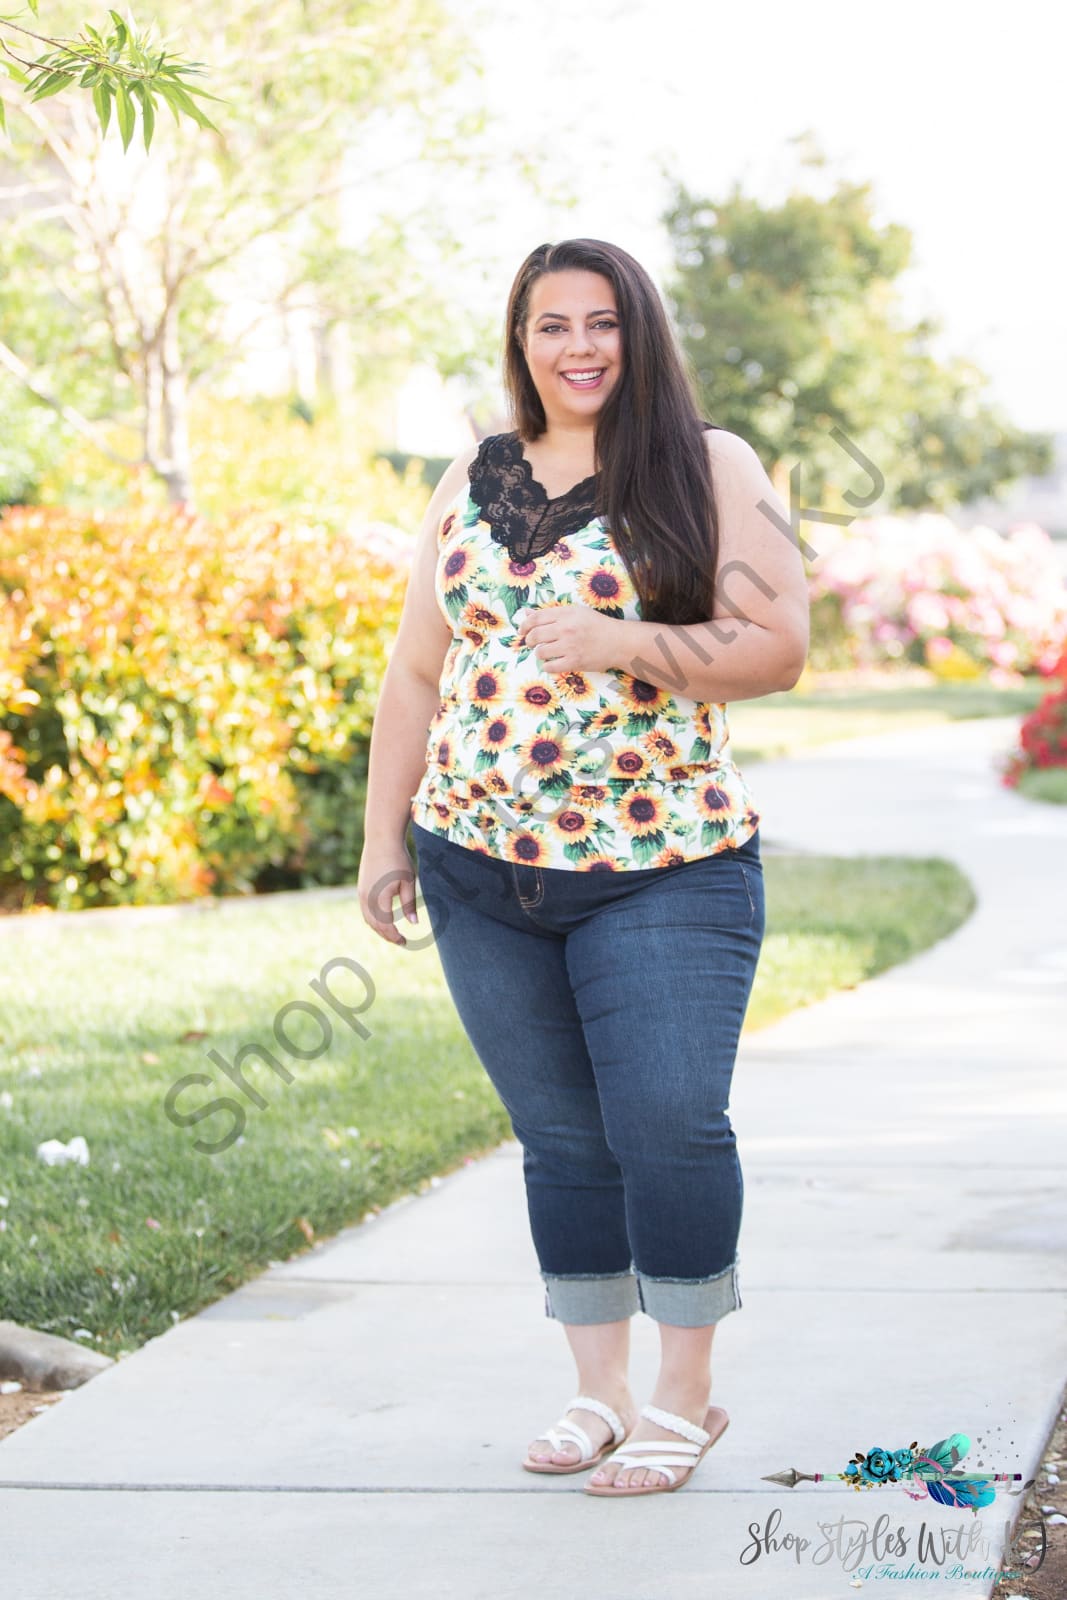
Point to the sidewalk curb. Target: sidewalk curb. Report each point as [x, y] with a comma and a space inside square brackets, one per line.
[44, 1360]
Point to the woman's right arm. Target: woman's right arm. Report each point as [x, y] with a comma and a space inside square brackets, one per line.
[406, 706]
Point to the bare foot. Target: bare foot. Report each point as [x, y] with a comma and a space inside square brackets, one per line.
[598, 1430]
[689, 1404]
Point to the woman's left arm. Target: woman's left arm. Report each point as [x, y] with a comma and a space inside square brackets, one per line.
[757, 637]
[756, 640]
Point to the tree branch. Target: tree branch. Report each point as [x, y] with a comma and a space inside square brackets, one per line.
[83, 425]
[277, 220]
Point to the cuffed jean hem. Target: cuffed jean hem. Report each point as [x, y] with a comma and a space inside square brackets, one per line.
[690, 1302]
[609, 1297]
[605, 1297]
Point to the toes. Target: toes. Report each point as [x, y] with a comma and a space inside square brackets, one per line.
[541, 1450]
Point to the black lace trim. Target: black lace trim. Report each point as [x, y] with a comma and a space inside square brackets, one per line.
[520, 515]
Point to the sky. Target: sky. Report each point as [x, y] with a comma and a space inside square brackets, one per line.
[948, 110]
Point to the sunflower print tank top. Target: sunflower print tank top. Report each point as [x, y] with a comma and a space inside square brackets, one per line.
[585, 771]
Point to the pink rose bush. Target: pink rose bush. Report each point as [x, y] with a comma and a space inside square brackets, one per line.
[965, 602]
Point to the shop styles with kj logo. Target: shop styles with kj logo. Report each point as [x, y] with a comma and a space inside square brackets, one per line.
[882, 1547]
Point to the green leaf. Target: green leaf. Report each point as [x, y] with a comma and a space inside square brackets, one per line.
[164, 90]
[191, 88]
[186, 104]
[121, 31]
[148, 111]
[124, 111]
[51, 84]
[102, 102]
[3, 118]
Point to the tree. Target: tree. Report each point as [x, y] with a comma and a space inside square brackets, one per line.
[144, 257]
[120, 68]
[789, 316]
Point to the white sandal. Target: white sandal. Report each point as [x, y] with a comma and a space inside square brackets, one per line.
[664, 1456]
[566, 1432]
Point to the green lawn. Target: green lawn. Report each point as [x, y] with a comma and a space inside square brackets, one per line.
[834, 921]
[98, 1021]
[779, 724]
[1048, 784]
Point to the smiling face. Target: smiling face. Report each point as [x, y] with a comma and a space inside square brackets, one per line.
[573, 343]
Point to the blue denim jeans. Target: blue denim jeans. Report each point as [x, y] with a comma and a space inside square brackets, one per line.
[606, 1009]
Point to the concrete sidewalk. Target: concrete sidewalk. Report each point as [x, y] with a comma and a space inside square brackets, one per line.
[350, 1424]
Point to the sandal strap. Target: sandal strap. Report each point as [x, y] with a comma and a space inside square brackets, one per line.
[682, 1425]
[661, 1463]
[612, 1418]
[681, 1455]
[566, 1432]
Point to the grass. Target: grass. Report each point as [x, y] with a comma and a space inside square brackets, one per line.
[832, 922]
[781, 724]
[1047, 783]
[100, 1019]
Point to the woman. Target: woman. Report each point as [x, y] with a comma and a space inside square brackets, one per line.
[552, 723]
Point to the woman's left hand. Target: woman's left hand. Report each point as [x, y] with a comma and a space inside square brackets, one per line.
[570, 638]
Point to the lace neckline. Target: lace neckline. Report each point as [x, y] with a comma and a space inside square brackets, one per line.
[521, 515]
[538, 488]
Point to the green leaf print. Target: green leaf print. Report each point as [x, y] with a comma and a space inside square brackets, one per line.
[514, 599]
[712, 832]
[647, 845]
[556, 786]
[578, 852]
[640, 722]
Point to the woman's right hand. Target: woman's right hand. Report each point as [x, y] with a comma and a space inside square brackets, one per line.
[386, 871]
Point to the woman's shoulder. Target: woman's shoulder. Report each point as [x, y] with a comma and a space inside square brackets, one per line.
[736, 468]
[725, 445]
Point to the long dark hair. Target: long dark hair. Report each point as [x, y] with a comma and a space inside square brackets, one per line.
[654, 480]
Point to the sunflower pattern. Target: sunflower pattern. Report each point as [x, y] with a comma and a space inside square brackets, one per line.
[589, 771]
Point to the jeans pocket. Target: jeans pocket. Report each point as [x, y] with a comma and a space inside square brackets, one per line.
[450, 869]
[450, 872]
[752, 877]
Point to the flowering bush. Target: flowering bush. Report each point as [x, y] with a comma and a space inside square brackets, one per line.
[185, 705]
[1042, 738]
[963, 602]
